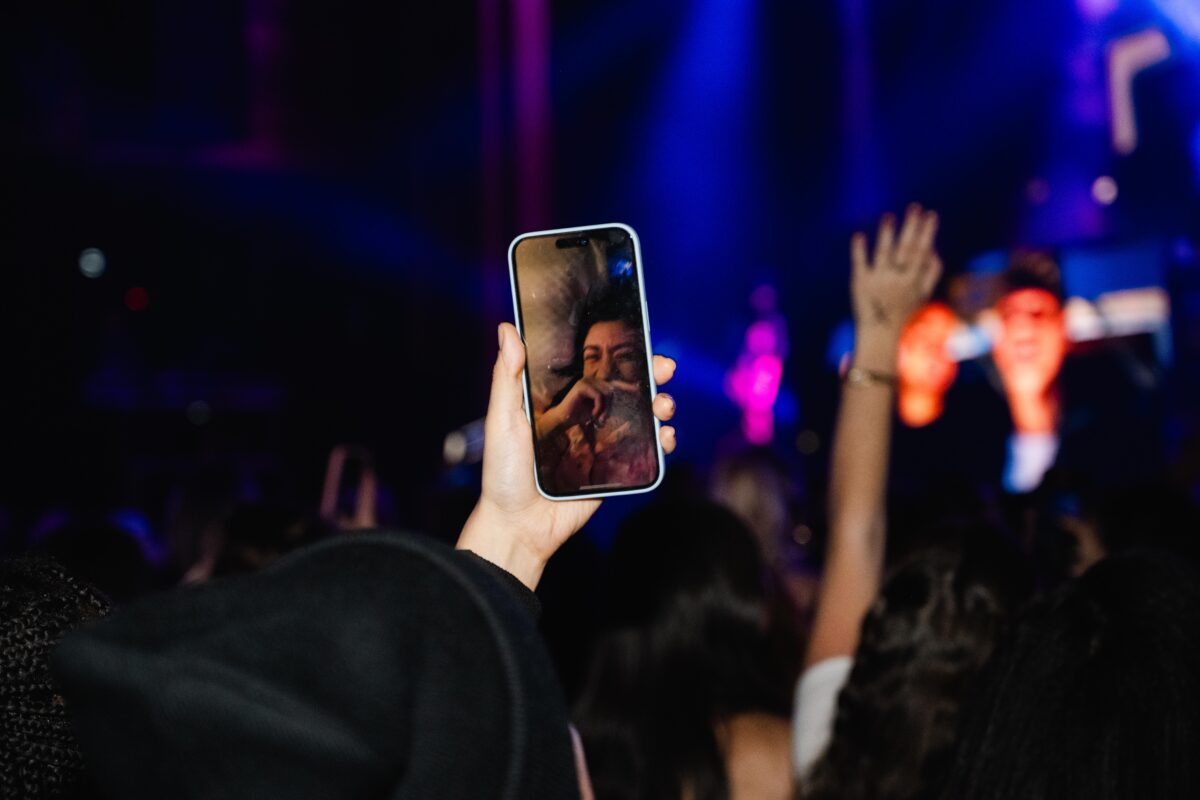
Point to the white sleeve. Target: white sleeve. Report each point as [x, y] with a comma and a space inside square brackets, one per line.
[815, 709]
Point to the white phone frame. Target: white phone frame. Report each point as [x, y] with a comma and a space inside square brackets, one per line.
[512, 282]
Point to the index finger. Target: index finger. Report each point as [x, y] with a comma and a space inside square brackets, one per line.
[664, 369]
[928, 230]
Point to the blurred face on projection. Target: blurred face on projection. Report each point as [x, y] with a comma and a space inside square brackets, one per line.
[924, 364]
[1032, 343]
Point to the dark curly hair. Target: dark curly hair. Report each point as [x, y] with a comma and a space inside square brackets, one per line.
[39, 603]
[923, 643]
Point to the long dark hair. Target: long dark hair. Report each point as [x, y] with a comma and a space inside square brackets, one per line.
[923, 643]
[686, 648]
[1097, 695]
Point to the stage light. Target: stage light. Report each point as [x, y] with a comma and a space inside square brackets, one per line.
[1128, 57]
[199, 412]
[92, 262]
[137, 299]
[1104, 190]
[1096, 10]
[1196, 152]
[1183, 14]
[454, 449]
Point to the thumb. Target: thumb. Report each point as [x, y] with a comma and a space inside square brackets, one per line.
[508, 394]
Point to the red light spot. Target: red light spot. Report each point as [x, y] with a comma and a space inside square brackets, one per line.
[137, 298]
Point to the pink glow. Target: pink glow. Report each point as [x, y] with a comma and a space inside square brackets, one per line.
[531, 96]
[754, 381]
[760, 338]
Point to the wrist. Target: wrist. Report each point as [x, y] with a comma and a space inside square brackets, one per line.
[493, 535]
[876, 350]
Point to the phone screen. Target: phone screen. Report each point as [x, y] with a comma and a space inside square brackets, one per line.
[581, 311]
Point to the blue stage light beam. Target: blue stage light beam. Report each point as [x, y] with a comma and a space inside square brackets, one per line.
[1184, 15]
[694, 185]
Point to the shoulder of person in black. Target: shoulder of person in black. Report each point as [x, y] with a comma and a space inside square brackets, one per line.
[372, 665]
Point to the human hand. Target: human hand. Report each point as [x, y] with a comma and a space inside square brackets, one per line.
[588, 401]
[889, 287]
[512, 525]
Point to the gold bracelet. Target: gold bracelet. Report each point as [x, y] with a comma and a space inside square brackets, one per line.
[857, 376]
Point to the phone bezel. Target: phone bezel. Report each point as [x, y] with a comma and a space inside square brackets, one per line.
[525, 380]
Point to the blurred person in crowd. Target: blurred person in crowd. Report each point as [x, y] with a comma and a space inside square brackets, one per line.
[598, 430]
[925, 369]
[39, 603]
[101, 553]
[939, 405]
[756, 485]
[889, 660]
[1077, 523]
[197, 508]
[1093, 413]
[350, 495]
[684, 698]
[1028, 352]
[1097, 695]
[257, 535]
[368, 666]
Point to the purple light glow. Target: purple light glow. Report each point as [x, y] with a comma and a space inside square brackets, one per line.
[531, 90]
[1096, 10]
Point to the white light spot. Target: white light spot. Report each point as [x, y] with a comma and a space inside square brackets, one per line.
[454, 449]
[92, 262]
[1104, 190]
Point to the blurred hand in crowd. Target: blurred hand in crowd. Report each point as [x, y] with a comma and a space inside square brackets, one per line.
[888, 287]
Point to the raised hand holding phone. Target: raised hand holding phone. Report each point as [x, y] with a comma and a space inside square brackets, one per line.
[580, 308]
[513, 525]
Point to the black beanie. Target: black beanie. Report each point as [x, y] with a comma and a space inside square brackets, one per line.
[366, 666]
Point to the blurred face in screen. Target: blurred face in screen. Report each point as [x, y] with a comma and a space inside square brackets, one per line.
[613, 351]
[1032, 342]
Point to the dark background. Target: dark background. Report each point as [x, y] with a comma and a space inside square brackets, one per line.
[316, 199]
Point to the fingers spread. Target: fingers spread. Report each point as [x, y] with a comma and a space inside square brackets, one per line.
[664, 369]
[858, 255]
[664, 406]
[885, 240]
[908, 235]
[928, 230]
[933, 271]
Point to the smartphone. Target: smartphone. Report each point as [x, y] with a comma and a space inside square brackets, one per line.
[580, 305]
